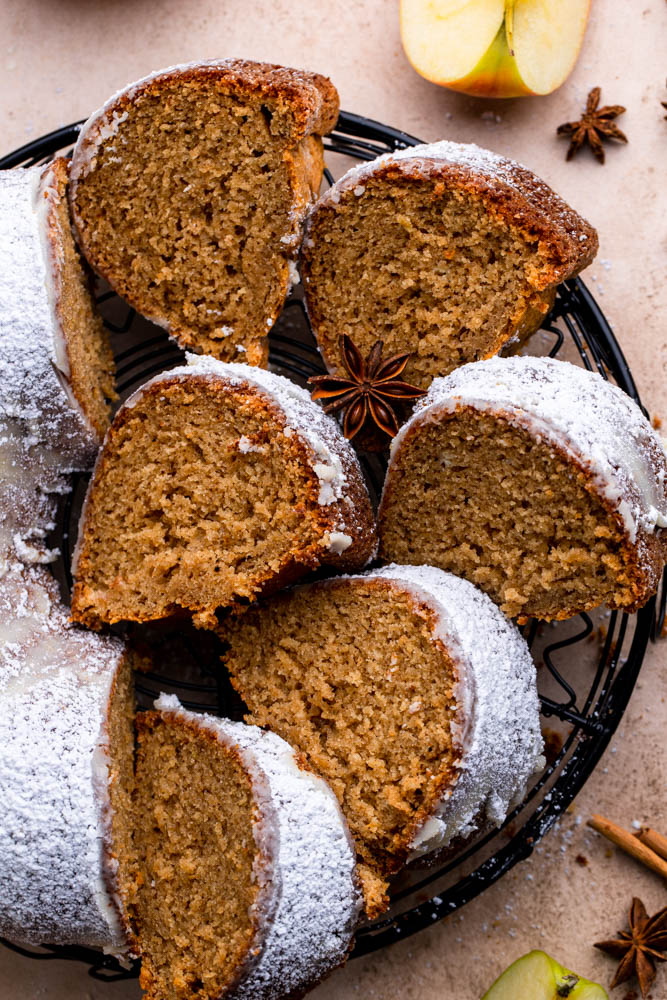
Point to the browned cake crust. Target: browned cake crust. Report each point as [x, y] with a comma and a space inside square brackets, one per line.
[188, 193]
[444, 250]
[85, 342]
[229, 499]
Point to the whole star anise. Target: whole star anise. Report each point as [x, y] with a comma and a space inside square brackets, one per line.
[594, 125]
[371, 388]
[640, 947]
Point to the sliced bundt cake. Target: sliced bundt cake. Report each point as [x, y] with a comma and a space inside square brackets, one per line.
[188, 193]
[535, 479]
[447, 251]
[247, 884]
[408, 691]
[215, 483]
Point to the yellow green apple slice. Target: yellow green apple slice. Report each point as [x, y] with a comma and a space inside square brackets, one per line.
[494, 48]
[536, 976]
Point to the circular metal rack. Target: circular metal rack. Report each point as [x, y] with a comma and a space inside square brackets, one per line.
[587, 666]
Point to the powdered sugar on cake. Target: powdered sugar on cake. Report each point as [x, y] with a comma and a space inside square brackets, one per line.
[55, 680]
[44, 434]
[595, 422]
[500, 740]
[55, 684]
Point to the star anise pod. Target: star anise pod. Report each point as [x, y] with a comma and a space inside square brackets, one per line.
[640, 947]
[371, 388]
[595, 125]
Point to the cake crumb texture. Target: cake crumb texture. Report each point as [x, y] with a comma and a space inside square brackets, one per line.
[237, 486]
[189, 191]
[379, 683]
[194, 831]
[446, 251]
[536, 480]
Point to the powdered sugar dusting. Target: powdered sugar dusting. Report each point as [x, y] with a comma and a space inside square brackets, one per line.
[319, 900]
[44, 435]
[594, 421]
[500, 738]
[55, 683]
[463, 154]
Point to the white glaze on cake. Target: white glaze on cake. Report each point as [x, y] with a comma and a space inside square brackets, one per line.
[498, 733]
[309, 930]
[55, 686]
[593, 421]
[44, 434]
[55, 680]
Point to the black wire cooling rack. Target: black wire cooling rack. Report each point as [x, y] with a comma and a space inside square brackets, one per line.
[587, 666]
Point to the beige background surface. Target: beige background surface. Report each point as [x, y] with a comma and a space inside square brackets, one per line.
[59, 60]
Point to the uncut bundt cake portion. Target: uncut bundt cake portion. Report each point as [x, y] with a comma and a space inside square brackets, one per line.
[447, 251]
[247, 876]
[56, 366]
[66, 699]
[66, 772]
[216, 483]
[537, 480]
[408, 691]
[188, 193]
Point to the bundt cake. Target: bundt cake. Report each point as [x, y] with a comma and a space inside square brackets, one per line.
[56, 367]
[445, 250]
[239, 484]
[188, 193]
[535, 479]
[247, 876]
[66, 727]
[408, 691]
[66, 762]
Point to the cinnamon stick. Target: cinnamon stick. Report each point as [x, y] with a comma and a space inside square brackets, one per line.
[653, 840]
[629, 843]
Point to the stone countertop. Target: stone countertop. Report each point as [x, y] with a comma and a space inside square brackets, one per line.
[58, 61]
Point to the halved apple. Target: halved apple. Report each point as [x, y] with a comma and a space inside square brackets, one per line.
[494, 48]
[537, 976]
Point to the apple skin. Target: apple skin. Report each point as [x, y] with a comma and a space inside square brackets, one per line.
[545, 978]
[495, 75]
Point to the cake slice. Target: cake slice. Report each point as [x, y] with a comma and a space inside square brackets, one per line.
[537, 480]
[188, 193]
[408, 691]
[447, 251]
[216, 482]
[247, 876]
